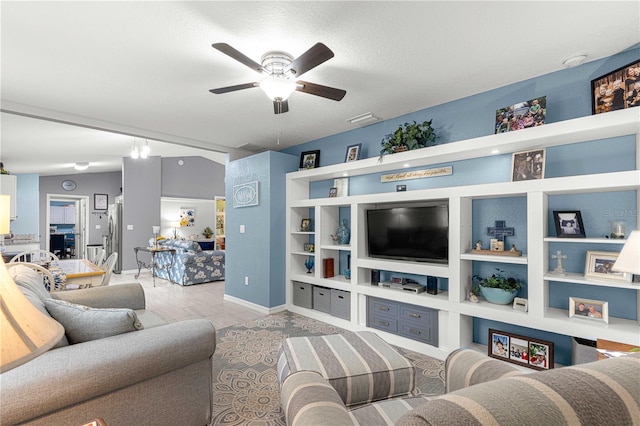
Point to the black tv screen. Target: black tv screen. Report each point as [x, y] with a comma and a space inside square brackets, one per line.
[409, 233]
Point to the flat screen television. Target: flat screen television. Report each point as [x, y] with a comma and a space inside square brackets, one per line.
[416, 233]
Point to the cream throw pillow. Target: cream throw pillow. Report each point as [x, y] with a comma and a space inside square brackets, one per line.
[82, 323]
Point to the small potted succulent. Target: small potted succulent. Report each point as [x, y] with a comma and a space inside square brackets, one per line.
[408, 137]
[496, 288]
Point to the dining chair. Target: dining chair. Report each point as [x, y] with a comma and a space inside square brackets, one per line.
[109, 264]
[35, 256]
[100, 258]
[47, 277]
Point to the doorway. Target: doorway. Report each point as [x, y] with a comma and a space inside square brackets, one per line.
[68, 215]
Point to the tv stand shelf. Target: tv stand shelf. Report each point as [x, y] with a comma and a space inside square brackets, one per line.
[455, 313]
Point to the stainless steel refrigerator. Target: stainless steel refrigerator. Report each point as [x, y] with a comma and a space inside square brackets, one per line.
[113, 240]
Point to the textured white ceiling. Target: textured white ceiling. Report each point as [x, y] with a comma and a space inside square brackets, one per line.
[144, 68]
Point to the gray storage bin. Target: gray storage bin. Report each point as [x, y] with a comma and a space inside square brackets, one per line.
[341, 304]
[322, 299]
[303, 294]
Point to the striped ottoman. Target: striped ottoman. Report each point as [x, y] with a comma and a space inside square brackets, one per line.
[360, 366]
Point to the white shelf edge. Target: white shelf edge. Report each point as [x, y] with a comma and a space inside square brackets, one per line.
[584, 240]
[576, 278]
[342, 247]
[520, 260]
[303, 253]
[435, 270]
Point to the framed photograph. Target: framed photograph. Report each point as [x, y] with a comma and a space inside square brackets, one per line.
[528, 165]
[569, 224]
[619, 89]
[333, 192]
[533, 353]
[311, 248]
[599, 265]
[310, 160]
[305, 225]
[353, 153]
[100, 201]
[522, 115]
[587, 308]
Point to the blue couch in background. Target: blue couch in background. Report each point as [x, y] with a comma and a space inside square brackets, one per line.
[191, 265]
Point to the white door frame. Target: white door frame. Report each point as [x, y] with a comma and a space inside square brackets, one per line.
[80, 251]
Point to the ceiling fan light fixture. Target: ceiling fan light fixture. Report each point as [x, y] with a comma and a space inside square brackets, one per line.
[278, 88]
[81, 166]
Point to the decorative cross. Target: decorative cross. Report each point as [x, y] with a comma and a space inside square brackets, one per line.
[499, 231]
[559, 256]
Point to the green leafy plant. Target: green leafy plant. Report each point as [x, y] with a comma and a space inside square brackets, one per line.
[495, 281]
[208, 233]
[408, 137]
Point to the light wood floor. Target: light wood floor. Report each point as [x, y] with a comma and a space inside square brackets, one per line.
[175, 303]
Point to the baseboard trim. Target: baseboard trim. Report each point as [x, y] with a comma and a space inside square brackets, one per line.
[254, 306]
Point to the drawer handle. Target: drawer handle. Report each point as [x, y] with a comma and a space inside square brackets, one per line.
[321, 294]
[301, 288]
[340, 297]
[414, 331]
[384, 323]
[384, 308]
[414, 315]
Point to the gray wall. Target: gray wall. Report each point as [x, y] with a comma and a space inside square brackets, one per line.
[198, 177]
[87, 184]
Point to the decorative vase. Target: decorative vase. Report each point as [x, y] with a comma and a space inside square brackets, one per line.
[343, 233]
[308, 264]
[498, 295]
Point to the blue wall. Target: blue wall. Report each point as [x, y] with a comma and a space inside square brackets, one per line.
[258, 254]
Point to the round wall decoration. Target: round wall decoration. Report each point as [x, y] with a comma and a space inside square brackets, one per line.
[68, 185]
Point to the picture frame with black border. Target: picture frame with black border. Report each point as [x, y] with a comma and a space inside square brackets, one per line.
[599, 266]
[618, 89]
[310, 159]
[528, 165]
[353, 153]
[305, 225]
[100, 201]
[516, 349]
[595, 310]
[308, 247]
[568, 224]
[333, 192]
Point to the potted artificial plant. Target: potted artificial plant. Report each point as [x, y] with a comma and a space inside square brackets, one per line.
[496, 288]
[408, 137]
[208, 233]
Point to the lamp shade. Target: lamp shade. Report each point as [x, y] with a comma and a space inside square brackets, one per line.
[26, 332]
[5, 214]
[156, 229]
[277, 88]
[629, 258]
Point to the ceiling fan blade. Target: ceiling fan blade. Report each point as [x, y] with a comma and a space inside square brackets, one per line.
[221, 90]
[320, 90]
[238, 56]
[313, 57]
[280, 107]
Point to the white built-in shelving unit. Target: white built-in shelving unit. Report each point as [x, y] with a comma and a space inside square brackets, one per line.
[456, 313]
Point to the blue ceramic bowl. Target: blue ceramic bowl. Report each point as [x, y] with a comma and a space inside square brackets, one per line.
[498, 296]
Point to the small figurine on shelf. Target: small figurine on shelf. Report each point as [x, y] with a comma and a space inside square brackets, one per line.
[473, 297]
[559, 268]
[478, 245]
[513, 247]
[308, 264]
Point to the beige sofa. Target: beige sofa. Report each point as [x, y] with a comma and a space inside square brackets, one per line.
[484, 391]
[159, 375]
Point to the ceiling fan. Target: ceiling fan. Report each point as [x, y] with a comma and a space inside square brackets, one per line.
[282, 71]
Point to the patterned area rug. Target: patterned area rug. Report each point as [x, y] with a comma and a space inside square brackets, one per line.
[245, 386]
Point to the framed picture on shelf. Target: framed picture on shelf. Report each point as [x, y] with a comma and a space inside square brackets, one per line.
[528, 165]
[591, 309]
[619, 89]
[569, 224]
[333, 192]
[100, 201]
[310, 159]
[305, 225]
[353, 153]
[599, 266]
[311, 248]
[522, 350]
